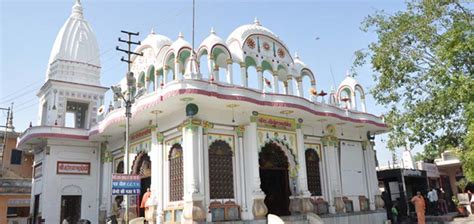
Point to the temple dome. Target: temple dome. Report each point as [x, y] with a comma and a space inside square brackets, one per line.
[212, 40]
[179, 44]
[156, 41]
[243, 32]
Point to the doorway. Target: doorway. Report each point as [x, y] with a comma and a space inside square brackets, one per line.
[142, 167]
[274, 180]
[71, 208]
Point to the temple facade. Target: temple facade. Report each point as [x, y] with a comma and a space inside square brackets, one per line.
[234, 129]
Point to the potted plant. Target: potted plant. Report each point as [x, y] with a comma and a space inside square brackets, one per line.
[461, 209]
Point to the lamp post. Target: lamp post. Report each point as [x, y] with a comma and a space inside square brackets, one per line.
[128, 100]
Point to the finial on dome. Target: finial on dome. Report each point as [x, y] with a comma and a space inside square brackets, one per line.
[213, 31]
[256, 21]
[296, 55]
[77, 10]
[152, 31]
[348, 73]
[180, 35]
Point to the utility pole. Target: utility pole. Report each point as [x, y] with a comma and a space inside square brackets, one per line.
[8, 124]
[128, 104]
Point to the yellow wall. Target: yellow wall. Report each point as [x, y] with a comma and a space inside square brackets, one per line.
[4, 205]
[24, 170]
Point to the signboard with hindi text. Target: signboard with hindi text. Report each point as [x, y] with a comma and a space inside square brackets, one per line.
[74, 168]
[274, 122]
[125, 184]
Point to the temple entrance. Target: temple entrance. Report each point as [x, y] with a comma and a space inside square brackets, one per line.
[274, 179]
[142, 166]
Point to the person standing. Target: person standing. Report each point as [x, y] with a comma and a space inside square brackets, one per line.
[433, 200]
[442, 202]
[420, 207]
[394, 211]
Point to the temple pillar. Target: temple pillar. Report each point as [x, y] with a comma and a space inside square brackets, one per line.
[362, 105]
[299, 86]
[290, 85]
[353, 101]
[230, 76]
[260, 77]
[193, 211]
[243, 75]
[157, 179]
[176, 69]
[304, 195]
[330, 146]
[165, 74]
[241, 183]
[372, 181]
[105, 206]
[157, 80]
[257, 196]
[275, 82]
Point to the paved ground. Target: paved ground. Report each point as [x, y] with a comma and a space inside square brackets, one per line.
[465, 220]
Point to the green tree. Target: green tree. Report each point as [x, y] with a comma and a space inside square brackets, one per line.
[423, 62]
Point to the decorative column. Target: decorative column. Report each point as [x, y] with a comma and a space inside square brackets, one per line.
[362, 104]
[215, 73]
[192, 166]
[243, 74]
[176, 69]
[372, 182]
[165, 74]
[260, 77]
[276, 87]
[230, 76]
[157, 80]
[241, 180]
[205, 157]
[353, 101]
[290, 85]
[314, 98]
[259, 209]
[304, 195]
[299, 86]
[157, 180]
[107, 170]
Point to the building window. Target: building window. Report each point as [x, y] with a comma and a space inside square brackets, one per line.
[221, 176]
[176, 173]
[76, 115]
[312, 172]
[15, 157]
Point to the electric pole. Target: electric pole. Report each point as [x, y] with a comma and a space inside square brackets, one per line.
[128, 104]
[8, 125]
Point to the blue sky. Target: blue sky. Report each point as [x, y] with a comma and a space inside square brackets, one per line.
[324, 33]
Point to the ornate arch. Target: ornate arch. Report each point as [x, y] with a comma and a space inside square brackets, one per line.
[71, 190]
[142, 165]
[291, 158]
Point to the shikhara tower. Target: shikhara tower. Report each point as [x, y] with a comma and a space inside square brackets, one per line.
[253, 143]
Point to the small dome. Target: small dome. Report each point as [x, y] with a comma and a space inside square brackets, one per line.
[179, 44]
[156, 41]
[76, 41]
[351, 83]
[212, 40]
[298, 64]
[241, 33]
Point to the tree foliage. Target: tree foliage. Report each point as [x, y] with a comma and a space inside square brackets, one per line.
[423, 62]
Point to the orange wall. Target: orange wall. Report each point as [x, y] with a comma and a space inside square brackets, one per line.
[4, 205]
[24, 170]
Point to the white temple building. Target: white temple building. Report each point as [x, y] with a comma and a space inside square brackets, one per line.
[236, 153]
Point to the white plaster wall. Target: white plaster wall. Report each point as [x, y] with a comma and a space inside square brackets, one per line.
[55, 184]
[352, 172]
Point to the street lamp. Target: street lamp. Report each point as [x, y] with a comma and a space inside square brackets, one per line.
[128, 100]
